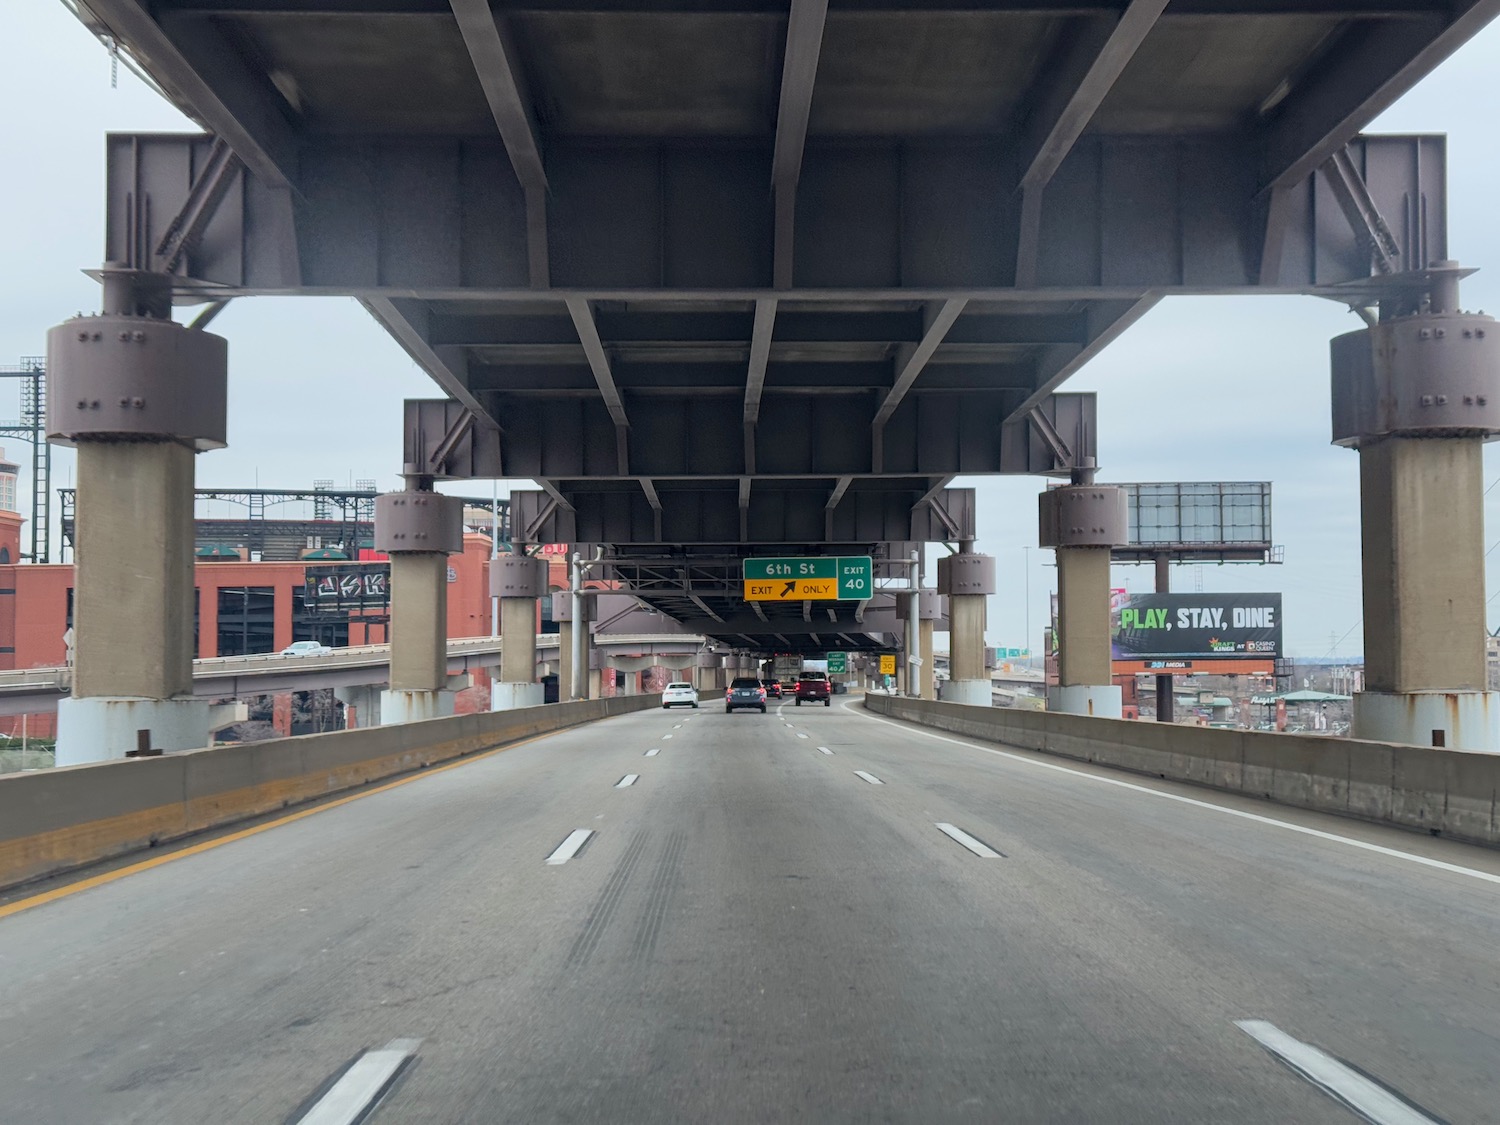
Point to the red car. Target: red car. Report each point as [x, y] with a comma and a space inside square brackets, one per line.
[814, 688]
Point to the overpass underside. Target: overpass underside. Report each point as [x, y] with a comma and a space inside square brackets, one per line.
[764, 276]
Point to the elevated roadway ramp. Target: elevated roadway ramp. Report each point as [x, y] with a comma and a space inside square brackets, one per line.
[755, 930]
[31, 690]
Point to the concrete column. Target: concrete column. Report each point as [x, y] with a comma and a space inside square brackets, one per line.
[138, 395]
[361, 705]
[1083, 521]
[418, 528]
[968, 579]
[1418, 394]
[929, 613]
[517, 581]
[562, 604]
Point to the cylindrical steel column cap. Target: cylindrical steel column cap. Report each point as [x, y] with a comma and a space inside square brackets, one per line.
[133, 378]
[1086, 515]
[929, 606]
[517, 576]
[419, 521]
[966, 573]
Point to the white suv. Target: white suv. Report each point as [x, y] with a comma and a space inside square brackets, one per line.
[679, 695]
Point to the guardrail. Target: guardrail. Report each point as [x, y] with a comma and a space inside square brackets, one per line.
[56, 820]
[1444, 792]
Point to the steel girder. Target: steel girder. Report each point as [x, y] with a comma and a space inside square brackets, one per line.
[444, 219]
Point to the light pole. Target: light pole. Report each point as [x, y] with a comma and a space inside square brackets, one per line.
[1026, 647]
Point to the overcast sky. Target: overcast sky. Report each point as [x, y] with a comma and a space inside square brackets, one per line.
[1200, 389]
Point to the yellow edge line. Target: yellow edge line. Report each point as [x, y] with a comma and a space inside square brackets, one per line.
[244, 833]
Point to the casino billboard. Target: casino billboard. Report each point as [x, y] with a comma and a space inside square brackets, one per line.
[1177, 632]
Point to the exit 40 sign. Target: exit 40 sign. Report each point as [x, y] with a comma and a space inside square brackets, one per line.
[846, 578]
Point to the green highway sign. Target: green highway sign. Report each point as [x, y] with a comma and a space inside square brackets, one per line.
[837, 663]
[846, 578]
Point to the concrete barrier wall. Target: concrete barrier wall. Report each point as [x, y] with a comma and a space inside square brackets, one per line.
[1446, 792]
[56, 820]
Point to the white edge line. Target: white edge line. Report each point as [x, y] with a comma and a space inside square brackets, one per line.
[978, 847]
[870, 777]
[653, 752]
[1370, 1100]
[628, 780]
[824, 750]
[569, 847]
[1316, 833]
[361, 1086]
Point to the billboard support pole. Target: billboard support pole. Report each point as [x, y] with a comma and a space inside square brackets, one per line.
[1164, 680]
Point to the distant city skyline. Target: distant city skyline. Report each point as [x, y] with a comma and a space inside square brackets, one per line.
[1202, 388]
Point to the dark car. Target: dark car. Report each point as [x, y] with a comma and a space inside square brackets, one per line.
[773, 688]
[814, 688]
[745, 693]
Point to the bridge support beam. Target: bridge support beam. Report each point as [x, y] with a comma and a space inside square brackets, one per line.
[968, 579]
[1082, 522]
[419, 529]
[1418, 395]
[518, 581]
[138, 395]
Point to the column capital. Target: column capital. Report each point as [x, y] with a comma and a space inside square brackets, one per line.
[1083, 515]
[417, 521]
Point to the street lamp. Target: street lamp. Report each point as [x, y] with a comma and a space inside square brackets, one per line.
[1026, 551]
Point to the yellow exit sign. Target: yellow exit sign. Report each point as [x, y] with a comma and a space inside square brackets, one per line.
[791, 589]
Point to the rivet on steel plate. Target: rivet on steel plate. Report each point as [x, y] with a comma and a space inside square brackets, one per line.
[124, 337]
[138, 337]
[1426, 400]
[138, 403]
[82, 337]
[1442, 400]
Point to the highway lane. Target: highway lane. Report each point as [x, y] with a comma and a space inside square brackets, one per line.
[755, 932]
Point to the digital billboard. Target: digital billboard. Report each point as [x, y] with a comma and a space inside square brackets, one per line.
[1163, 628]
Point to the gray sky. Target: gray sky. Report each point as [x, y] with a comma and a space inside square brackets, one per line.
[1200, 389]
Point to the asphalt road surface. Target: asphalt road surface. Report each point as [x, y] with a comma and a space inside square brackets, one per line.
[759, 930]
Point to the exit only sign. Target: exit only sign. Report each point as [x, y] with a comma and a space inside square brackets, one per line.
[843, 578]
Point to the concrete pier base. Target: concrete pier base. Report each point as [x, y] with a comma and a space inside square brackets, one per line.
[403, 706]
[1454, 720]
[976, 693]
[508, 697]
[100, 729]
[1102, 701]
